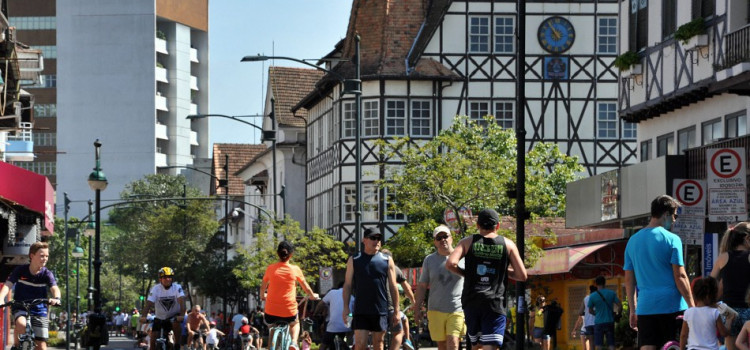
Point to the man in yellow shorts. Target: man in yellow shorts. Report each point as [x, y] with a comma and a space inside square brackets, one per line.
[444, 312]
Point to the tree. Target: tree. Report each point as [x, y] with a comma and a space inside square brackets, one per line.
[471, 164]
[312, 250]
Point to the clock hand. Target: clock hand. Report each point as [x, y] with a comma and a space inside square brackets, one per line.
[555, 33]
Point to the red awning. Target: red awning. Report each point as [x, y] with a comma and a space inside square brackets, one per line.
[562, 260]
[29, 190]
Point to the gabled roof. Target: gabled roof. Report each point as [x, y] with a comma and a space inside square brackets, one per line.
[392, 33]
[239, 155]
[289, 86]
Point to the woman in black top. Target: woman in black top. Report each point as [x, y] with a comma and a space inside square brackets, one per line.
[731, 269]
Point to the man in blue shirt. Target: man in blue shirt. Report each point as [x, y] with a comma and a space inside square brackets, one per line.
[654, 267]
[603, 303]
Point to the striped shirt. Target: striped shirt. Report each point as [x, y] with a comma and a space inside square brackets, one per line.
[28, 286]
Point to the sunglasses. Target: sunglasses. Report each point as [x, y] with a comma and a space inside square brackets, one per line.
[441, 238]
[375, 237]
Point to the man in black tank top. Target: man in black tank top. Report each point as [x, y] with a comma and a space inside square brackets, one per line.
[487, 257]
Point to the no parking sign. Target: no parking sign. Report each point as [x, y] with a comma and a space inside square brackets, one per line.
[726, 184]
[691, 224]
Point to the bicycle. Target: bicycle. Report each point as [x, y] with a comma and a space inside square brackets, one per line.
[197, 341]
[674, 344]
[26, 340]
[165, 342]
[280, 338]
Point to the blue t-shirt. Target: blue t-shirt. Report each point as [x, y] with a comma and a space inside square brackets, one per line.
[27, 287]
[604, 306]
[650, 254]
[370, 284]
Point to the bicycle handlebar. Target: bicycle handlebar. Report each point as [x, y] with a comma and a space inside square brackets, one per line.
[26, 304]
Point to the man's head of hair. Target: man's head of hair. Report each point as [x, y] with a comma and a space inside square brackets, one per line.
[36, 246]
[600, 281]
[285, 250]
[488, 219]
[592, 289]
[663, 205]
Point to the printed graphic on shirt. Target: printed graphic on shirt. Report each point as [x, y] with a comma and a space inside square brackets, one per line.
[484, 251]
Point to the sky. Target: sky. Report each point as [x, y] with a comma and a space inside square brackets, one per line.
[304, 29]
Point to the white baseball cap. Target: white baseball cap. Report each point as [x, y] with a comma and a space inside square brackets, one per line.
[441, 228]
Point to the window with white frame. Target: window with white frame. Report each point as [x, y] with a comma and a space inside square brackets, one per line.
[504, 114]
[370, 118]
[421, 118]
[350, 200]
[645, 150]
[479, 34]
[736, 124]
[392, 212]
[395, 118]
[685, 139]
[45, 139]
[33, 22]
[45, 110]
[349, 119]
[504, 35]
[629, 130]
[478, 110]
[665, 145]
[711, 131]
[606, 121]
[606, 38]
[370, 203]
[46, 81]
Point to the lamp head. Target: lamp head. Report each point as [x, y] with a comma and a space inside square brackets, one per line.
[195, 116]
[97, 180]
[257, 58]
[90, 229]
[77, 252]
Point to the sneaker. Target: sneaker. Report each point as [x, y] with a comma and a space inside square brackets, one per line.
[293, 346]
[408, 345]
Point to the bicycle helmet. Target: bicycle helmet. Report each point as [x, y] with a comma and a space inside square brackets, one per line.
[244, 320]
[166, 272]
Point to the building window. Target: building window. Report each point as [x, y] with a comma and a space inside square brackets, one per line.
[45, 110]
[504, 114]
[645, 150]
[736, 125]
[606, 38]
[629, 130]
[606, 119]
[370, 203]
[478, 110]
[370, 118]
[46, 81]
[45, 139]
[41, 168]
[421, 118]
[711, 131]
[638, 25]
[350, 119]
[703, 8]
[665, 145]
[395, 118]
[33, 23]
[685, 139]
[350, 198]
[669, 18]
[479, 34]
[504, 35]
[391, 207]
[48, 51]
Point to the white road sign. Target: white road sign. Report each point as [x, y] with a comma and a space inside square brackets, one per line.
[726, 184]
[692, 196]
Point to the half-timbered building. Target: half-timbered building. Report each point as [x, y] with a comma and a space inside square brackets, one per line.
[424, 62]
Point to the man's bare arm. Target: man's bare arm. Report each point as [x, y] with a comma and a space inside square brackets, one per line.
[518, 272]
[632, 302]
[347, 290]
[683, 283]
[452, 263]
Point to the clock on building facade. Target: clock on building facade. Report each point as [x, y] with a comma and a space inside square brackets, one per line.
[556, 34]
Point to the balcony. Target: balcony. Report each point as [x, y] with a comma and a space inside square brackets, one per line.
[160, 158]
[161, 102]
[161, 132]
[194, 138]
[193, 83]
[161, 75]
[194, 55]
[737, 47]
[161, 46]
[30, 63]
[21, 146]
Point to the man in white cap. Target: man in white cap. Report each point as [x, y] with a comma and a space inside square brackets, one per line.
[444, 312]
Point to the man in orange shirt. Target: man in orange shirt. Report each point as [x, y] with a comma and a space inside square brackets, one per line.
[280, 281]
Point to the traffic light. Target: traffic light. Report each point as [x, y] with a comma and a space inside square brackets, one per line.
[141, 297]
[117, 308]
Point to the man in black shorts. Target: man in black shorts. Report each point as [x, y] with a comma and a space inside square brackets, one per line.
[374, 273]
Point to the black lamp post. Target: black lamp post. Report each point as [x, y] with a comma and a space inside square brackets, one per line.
[66, 208]
[520, 164]
[89, 232]
[98, 183]
[350, 86]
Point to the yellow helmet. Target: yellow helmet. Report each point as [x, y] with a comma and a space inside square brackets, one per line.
[166, 272]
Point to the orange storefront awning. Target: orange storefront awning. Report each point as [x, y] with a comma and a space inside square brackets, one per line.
[562, 260]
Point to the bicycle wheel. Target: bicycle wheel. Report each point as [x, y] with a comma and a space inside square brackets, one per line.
[671, 345]
[27, 345]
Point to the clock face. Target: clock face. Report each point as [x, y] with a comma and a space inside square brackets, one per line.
[556, 34]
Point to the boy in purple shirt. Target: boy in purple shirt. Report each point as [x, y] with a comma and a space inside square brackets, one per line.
[31, 282]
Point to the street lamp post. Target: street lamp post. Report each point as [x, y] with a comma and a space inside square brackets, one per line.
[98, 183]
[89, 232]
[67, 271]
[520, 164]
[352, 86]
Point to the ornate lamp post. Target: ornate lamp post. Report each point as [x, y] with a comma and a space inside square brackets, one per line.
[89, 232]
[98, 183]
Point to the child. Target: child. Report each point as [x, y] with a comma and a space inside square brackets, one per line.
[702, 321]
[743, 339]
[212, 337]
[305, 340]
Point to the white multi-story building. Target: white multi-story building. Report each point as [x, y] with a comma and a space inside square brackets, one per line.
[128, 74]
[424, 62]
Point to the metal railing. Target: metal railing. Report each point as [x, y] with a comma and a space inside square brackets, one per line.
[737, 46]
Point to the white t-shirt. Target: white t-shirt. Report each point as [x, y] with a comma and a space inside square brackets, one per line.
[166, 301]
[588, 318]
[212, 337]
[702, 323]
[237, 322]
[335, 301]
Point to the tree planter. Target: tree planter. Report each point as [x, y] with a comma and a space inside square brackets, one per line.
[636, 69]
[696, 42]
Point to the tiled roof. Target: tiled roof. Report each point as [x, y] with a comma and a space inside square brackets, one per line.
[289, 86]
[239, 155]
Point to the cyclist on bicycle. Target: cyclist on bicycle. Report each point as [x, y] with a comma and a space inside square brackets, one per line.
[250, 333]
[280, 280]
[31, 282]
[195, 321]
[168, 301]
[212, 337]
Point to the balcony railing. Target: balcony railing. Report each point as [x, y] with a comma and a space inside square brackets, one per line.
[738, 46]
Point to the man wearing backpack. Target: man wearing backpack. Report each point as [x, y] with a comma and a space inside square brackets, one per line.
[604, 304]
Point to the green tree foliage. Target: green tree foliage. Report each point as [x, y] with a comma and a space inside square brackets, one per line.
[470, 164]
[312, 250]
